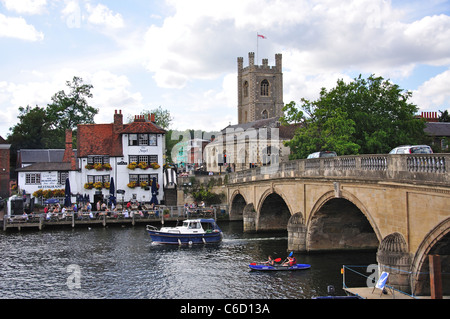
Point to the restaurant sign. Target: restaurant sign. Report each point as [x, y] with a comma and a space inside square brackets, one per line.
[49, 180]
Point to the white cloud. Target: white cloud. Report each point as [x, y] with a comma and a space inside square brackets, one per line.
[25, 6]
[11, 27]
[330, 36]
[433, 93]
[102, 15]
[110, 92]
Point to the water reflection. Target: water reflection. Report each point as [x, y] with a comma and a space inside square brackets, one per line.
[123, 263]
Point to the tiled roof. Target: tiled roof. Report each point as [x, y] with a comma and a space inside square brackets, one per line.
[41, 155]
[98, 139]
[141, 127]
[38, 167]
[105, 139]
[437, 128]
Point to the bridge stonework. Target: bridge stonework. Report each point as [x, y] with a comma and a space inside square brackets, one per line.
[398, 205]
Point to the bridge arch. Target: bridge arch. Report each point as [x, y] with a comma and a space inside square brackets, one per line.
[237, 205]
[340, 223]
[437, 242]
[273, 212]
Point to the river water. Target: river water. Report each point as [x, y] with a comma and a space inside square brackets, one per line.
[122, 262]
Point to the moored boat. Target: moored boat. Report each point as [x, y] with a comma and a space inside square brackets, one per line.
[192, 231]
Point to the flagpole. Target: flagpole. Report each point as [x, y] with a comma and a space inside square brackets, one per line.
[257, 36]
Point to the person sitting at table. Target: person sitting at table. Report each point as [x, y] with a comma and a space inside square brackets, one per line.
[25, 216]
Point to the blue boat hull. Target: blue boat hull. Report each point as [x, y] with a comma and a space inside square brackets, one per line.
[185, 239]
[263, 267]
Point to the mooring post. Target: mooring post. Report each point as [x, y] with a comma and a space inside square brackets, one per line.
[435, 276]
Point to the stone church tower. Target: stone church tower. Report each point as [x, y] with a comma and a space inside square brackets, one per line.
[260, 89]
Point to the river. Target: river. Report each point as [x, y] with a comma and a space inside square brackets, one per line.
[122, 263]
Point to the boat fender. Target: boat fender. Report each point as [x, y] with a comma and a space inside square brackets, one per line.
[179, 242]
[204, 241]
[190, 243]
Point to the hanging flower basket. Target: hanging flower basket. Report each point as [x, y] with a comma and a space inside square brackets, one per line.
[144, 184]
[155, 165]
[132, 165]
[132, 184]
[98, 185]
[88, 185]
[143, 165]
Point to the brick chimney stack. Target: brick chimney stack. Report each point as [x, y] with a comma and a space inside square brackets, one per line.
[69, 155]
[118, 118]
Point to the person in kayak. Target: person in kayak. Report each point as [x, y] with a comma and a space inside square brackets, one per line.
[270, 261]
[291, 261]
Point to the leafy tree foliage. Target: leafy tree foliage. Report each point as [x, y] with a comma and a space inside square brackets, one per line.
[69, 110]
[366, 116]
[40, 128]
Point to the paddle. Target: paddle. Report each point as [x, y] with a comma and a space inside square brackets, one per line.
[290, 255]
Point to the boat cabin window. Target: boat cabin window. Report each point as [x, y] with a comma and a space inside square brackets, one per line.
[194, 225]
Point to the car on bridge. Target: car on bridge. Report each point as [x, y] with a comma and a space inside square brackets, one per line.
[412, 149]
[322, 154]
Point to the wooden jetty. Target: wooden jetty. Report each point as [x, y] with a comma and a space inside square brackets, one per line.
[39, 221]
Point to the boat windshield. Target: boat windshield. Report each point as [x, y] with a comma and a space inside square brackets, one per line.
[192, 224]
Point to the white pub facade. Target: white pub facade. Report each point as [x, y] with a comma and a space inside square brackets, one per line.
[131, 154]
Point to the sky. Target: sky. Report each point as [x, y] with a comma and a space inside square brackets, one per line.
[182, 54]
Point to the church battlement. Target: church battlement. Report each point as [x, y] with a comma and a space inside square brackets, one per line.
[260, 89]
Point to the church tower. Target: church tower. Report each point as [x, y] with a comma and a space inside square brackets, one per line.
[260, 89]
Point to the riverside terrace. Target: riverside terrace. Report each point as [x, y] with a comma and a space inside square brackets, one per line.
[103, 218]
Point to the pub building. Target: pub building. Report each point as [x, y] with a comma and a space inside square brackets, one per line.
[131, 154]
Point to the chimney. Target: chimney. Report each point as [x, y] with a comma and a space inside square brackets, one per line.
[118, 118]
[69, 155]
[152, 117]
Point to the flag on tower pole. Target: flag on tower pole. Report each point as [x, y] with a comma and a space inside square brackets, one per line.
[257, 38]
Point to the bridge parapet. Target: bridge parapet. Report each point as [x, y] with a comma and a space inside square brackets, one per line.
[415, 168]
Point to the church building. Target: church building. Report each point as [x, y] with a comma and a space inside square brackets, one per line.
[257, 139]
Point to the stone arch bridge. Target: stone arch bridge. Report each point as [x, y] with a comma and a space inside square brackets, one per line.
[396, 204]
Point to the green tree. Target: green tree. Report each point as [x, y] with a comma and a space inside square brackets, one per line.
[68, 110]
[367, 116]
[32, 130]
[162, 117]
[444, 117]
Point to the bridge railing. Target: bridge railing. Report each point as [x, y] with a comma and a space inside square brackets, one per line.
[418, 168]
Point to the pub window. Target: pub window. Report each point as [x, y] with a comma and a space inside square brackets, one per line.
[132, 139]
[98, 159]
[265, 88]
[98, 178]
[143, 158]
[62, 176]
[143, 139]
[138, 178]
[152, 141]
[33, 178]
